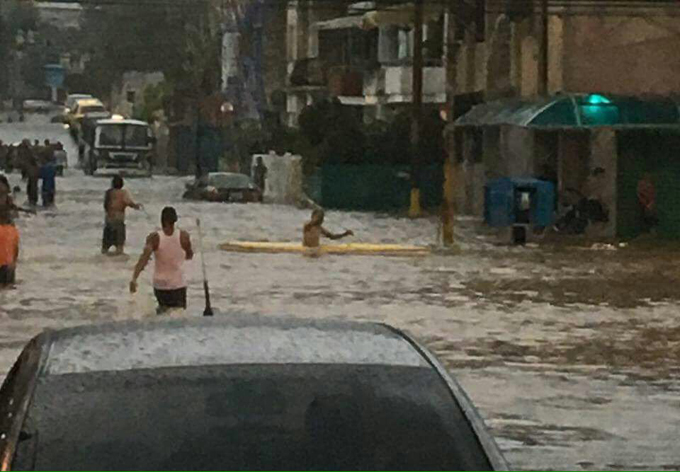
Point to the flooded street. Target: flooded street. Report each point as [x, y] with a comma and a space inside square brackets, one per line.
[571, 354]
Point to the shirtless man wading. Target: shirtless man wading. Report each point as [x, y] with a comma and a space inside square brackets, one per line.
[116, 201]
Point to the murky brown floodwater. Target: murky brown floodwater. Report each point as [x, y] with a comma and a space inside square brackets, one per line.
[571, 354]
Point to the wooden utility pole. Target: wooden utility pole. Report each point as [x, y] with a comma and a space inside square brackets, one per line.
[451, 64]
[416, 123]
[543, 59]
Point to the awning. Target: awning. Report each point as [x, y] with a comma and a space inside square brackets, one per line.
[403, 15]
[345, 22]
[396, 16]
[577, 110]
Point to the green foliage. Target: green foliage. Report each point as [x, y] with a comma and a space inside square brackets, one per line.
[155, 96]
[337, 135]
[178, 38]
[21, 15]
[334, 134]
[15, 15]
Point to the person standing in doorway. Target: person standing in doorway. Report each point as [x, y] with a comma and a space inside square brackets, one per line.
[170, 247]
[260, 174]
[116, 201]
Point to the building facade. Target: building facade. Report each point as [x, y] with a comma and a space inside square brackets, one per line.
[362, 55]
[611, 48]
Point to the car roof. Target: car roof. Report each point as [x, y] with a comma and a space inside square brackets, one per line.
[226, 340]
[111, 121]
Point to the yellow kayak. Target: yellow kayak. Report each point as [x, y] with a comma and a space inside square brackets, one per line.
[352, 248]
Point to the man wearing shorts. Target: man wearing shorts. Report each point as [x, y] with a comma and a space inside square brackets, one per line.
[170, 247]
[9, 249]
[116, 201]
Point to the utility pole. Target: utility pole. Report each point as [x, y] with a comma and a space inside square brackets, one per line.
[543, 88]
[417, 118]
[451, 63]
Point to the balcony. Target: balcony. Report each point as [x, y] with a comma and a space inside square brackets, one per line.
[399, 84]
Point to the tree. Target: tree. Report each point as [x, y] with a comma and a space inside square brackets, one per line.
[15, 16]
[178, 38]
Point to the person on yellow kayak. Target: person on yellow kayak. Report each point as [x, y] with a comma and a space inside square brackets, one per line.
[313, 231]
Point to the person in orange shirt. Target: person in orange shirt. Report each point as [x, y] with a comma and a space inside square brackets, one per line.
[646, 193]
[9, 249]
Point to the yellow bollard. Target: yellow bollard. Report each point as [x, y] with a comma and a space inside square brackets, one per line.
[414, 210]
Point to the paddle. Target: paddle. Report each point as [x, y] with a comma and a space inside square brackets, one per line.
[208, 309]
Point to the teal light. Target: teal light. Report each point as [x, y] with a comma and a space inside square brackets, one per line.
[596, 99]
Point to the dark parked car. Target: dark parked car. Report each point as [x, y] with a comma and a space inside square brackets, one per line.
[223, 187]
[234, 392]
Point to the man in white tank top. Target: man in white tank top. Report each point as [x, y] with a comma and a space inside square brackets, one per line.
[170, 248]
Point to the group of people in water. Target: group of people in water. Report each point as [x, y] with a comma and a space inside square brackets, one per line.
[37, 163]
[169, 247]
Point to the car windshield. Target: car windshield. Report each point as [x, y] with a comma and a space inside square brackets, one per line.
[119, 135]
[229, 180]
[136, 136]
[92, 109]
[111, 135]
[256, 417]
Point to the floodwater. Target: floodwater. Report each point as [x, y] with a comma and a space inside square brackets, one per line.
[571, 353]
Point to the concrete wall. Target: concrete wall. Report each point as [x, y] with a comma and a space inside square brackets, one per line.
[603, 154]
[609, 52]
[573, 161]
[132, 81]
[632, 54]
[472, 62]
[60, 15]
[517, 150]
[275, 67]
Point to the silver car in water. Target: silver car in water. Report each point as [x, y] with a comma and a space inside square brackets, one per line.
[237, 392]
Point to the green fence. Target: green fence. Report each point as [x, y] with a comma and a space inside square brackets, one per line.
[373, 187]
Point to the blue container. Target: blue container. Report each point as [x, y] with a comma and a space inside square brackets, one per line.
[512, 201]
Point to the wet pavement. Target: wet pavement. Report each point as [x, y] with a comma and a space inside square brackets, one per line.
[572, 354]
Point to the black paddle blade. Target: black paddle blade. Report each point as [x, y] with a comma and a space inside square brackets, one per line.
[208, 308]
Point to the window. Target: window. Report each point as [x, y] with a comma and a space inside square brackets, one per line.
[91, 109]
[136, 136]
[292, 417]
[111, 136]
[130, 96]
